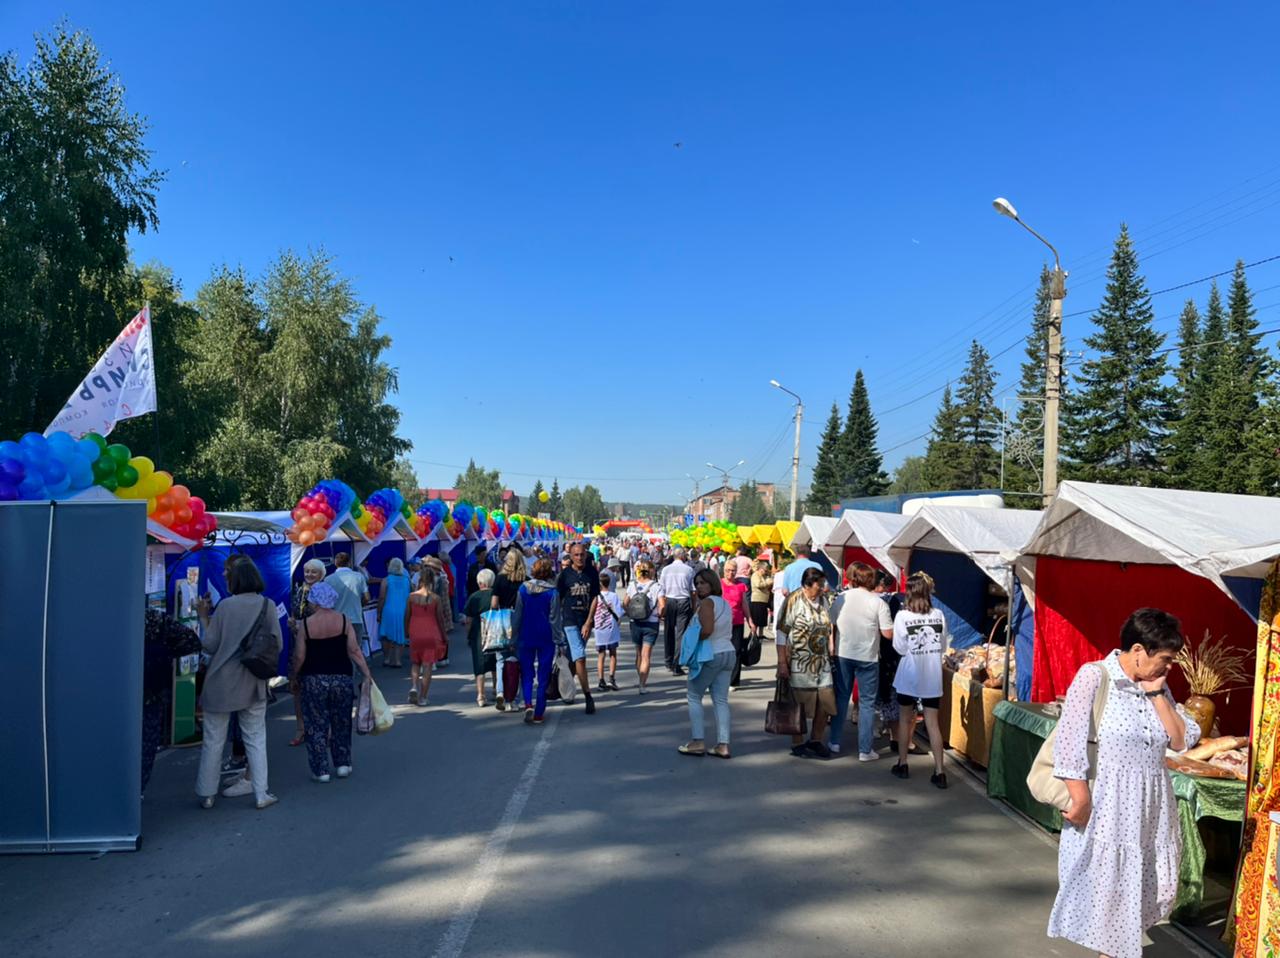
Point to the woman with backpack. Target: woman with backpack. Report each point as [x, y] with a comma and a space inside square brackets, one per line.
[231, 689]
[642, 612]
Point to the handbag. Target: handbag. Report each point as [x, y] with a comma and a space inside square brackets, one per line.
[260, 648]
[495, 630]
[784, 716]
[364, 709]
[1041, 783]
[751, 654]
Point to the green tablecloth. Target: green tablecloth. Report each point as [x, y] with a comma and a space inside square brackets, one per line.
[1020, 730]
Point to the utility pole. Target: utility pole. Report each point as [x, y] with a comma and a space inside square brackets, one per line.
[795, 455]
[1053, 364]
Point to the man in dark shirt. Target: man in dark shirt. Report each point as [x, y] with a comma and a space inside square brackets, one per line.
[577, 588]
[480, 561]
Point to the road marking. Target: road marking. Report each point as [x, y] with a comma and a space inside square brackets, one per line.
[485, 874]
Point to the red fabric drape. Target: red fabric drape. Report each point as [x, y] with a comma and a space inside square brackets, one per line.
[1080, 607]
[859, 554]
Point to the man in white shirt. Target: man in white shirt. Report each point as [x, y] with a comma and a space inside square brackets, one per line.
[352, 596]
[861, 619]
[675, 606]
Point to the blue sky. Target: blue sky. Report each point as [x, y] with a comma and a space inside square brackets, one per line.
[828, 208]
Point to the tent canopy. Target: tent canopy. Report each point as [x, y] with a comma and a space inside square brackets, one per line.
[813, 532]
[1215, 535]
[868, 530]
[784, 530]
[992, 538]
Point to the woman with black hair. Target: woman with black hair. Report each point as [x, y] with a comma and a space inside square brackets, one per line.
[1121, 846]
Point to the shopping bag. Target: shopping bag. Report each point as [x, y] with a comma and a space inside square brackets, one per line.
[365, 721]
[383, 717]
[784, 716]
[751, 654]
[566, 681]
[495, 630]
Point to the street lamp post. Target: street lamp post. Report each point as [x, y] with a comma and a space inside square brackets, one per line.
[795, 456]
[1053, 364]
[724, 481]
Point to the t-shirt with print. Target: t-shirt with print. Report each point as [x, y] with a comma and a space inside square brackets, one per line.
[576, 590]
[608, 614]
[861, 618]
[920, 638]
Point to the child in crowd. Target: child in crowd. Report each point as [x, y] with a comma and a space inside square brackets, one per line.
[606, 631]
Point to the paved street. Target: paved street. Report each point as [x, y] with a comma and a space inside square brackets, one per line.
[465, 832]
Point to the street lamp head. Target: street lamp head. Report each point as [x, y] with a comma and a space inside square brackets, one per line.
[1004, 207]
[775, 384]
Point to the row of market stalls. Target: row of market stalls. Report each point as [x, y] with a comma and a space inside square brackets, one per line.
[1055, 588]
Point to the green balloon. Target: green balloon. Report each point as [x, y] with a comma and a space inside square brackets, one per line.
[126, 476]
[120, 453]
[97, 441]
[104, 467]
[109, 483]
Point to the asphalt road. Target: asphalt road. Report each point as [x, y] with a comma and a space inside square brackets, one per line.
[465, 832]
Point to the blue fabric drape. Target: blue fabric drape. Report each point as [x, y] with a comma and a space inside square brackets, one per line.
[960, 591]
[1024, 625]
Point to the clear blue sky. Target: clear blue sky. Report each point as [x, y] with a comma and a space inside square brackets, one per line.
[829, 208]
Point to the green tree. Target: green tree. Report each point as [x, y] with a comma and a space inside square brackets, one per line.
[584, 507]
[910, 476]
[1241, 368]
[75, 179]
[748, 508]
[555, 502]
[860, 464]
[942, 469]
[405, 478]
[1190, 404]
[825, 489]
[1023, 457]
[532, 505]
[1117, 423]
[479, 486]
[978, 462]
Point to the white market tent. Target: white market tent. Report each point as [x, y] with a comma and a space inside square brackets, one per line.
[1215, 535]
[865, 529]
[992, 538]
[813, 532]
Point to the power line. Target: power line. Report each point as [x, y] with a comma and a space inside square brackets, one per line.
[1192, 282]
[558, 475]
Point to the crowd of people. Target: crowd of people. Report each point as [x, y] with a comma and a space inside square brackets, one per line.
[866, 641]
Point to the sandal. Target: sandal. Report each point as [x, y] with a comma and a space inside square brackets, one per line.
[689, 749]
[297, 739]
[721, 751]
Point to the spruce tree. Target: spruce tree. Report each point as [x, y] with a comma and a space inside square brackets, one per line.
[1206, 465]
[1234, 403]
[532, 505]
[1189, 402]
[860, 464]
[824, 491]
[1118, 418]
[941, 470]
[978, 466]
[555, 504]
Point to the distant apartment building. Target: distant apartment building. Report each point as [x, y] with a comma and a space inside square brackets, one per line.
[717, 504]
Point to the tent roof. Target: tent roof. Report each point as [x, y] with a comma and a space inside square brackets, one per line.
[813, 531]
[784, 531]
[1211, 534]
[866, 529]
[992, 538]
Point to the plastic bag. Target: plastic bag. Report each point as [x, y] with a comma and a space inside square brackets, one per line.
[495, 630]
[365, 722]
[383, 717]
[565, 679]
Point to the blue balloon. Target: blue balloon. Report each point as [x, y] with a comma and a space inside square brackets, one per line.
[32, 487]
[81, 475]
[9, 449]
[60, 489]
[88, 450]
[54, 472]
[12, 470]
[8, 491]
[61, 445]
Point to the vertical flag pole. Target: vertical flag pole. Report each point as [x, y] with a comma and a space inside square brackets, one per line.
[155, 413]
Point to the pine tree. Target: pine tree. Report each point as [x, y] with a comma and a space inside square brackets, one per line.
[555, 503]
[532, 505]
[860, 464]
[1206, 466]
[1118, 419]
[941, 470]
[978, 465]
[1022, 470]
[1189, 400]
[825, 489]
[748, 508]
[1242, 368]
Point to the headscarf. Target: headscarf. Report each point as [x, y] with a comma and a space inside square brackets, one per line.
[323, 595]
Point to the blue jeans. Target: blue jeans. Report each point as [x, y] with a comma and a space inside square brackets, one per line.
[713, 675]
[868, 676]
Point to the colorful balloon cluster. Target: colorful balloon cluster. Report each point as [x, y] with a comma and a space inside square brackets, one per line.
[711, 535]
[315, 512]
[428, 517]
[60, 467]
[379, 510]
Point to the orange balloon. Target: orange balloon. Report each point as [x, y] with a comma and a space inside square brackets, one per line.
[306, 537]
[180, 495]
[164, 517]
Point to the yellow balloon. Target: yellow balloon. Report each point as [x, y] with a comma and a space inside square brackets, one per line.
[144, 466]
[543, 496]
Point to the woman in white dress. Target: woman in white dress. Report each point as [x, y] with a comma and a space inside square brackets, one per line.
[1120, 847]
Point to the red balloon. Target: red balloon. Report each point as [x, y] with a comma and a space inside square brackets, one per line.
[196, 504]
[183, 515]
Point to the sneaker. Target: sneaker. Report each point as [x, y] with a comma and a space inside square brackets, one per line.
[344, 771]
[480, 702]
[591, 706]
[538, 720]
[266, 801]
[643, 690]
[613, 684]
[602, 686]
[500, 704]
[835, 749]
[868, 756]
[528, 716]
[233, 765]
[241, 786]
[939, 780]
[413, 696]
[322, 779]
[207, 801]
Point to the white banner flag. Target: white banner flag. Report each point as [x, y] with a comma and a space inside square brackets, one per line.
[120, 386]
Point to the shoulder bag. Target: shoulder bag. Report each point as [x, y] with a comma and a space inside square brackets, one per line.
[784, 716]
[1041, 783]
[260, 648]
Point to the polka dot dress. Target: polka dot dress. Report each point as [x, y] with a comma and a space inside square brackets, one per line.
[1118, 875]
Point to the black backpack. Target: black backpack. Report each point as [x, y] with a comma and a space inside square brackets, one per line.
[639, 606]
[260, 648]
